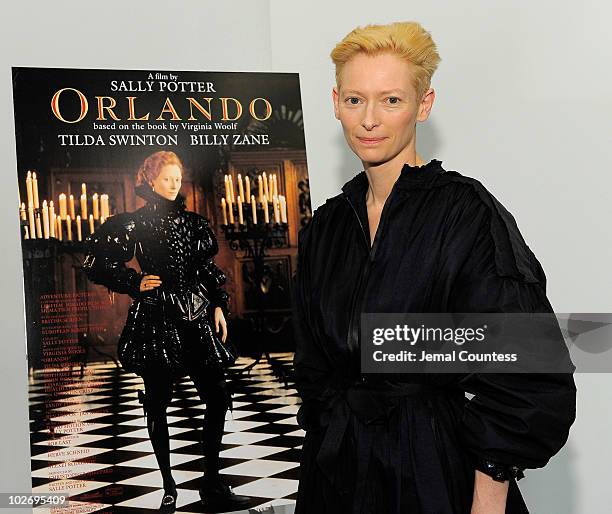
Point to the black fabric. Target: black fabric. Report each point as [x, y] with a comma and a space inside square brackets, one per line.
[409, 443]
[179, 247]
[212, 390]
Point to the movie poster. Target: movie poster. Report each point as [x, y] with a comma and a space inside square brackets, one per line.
[82, 137]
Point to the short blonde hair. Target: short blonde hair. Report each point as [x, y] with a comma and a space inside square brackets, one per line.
[406, 39]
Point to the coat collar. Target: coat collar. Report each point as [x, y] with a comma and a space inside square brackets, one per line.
[158, 202]
[409, 177]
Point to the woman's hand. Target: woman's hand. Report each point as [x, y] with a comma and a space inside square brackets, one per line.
[220, 320]
[149, 282]
[489, 495]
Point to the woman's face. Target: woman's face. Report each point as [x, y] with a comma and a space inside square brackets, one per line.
[378, 108]
[168, 182]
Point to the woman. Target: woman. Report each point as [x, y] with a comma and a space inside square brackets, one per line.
[177, 296]
[407, 236]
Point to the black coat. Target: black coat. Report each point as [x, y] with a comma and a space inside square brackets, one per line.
[178, 246]
[443, 244]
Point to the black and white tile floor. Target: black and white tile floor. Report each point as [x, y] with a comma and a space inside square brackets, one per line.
[99, 451]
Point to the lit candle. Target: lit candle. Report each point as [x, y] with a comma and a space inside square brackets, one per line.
[254, 209]
[83, 189]
[265, 206]
[62, 205]
[240, 218]
[102, 220]
[27, 233]
[45, 211]
[265, 184]
[24, 217]
[248, 187]
[224, 207]
[52, 221]
[104, 209]
[275, 184]
[84, 204]
[32, 222]
[96, 207]
[59, 228]
[271, 187]
[69, 227]
[240, 186]
[276, 211]
[260, 186]
[35, 190]
[231, 188]
[79, 232]
[230, 210]
[227, 193]
[91, 224]
[71, 206]
[39, 233]
[29, 190]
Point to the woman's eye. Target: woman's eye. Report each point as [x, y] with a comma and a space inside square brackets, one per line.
[393, 100]
[350, 100]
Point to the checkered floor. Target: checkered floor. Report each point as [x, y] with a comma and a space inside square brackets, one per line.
[99, 451]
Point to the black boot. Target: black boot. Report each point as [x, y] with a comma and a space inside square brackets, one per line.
[168, 503]
[218, 496]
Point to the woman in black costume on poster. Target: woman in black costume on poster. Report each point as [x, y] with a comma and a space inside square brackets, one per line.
[406, 236]
[178, 298]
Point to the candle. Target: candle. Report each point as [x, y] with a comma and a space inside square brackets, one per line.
[96, 207]
[69, 227]
[23, 212]
[227, 193]
[104, 209]
[254, 209]
[240, 218]
[91, 224]
[240, 186]
[102, 220]
[32, 222]
[276, 211]
[248, 187]
[27, 233]
[39, 233]
[83, 189]
[62, 206]
[224, 207]
[52, 223]
[265, 206]
[230, 211]
[35, 190]
[78, 224]
[84, 204]
[260, 186]
[71, 206]
[59, 228]
[29, 189]
[231, 189]
[45, 210]
[265, 185]
[271, 187]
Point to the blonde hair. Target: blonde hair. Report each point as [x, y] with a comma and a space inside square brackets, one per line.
[407, 39]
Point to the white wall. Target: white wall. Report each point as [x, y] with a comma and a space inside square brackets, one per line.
[522, 104]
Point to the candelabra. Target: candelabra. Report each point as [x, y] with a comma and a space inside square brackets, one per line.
[254, 239]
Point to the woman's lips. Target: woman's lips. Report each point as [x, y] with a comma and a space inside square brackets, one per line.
[370, 140]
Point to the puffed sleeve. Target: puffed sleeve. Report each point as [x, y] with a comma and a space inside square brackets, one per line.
[108, 249]
[213, 277]
[514, 420]
[311, 369]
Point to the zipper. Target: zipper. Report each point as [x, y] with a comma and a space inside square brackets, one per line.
[353, 329]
